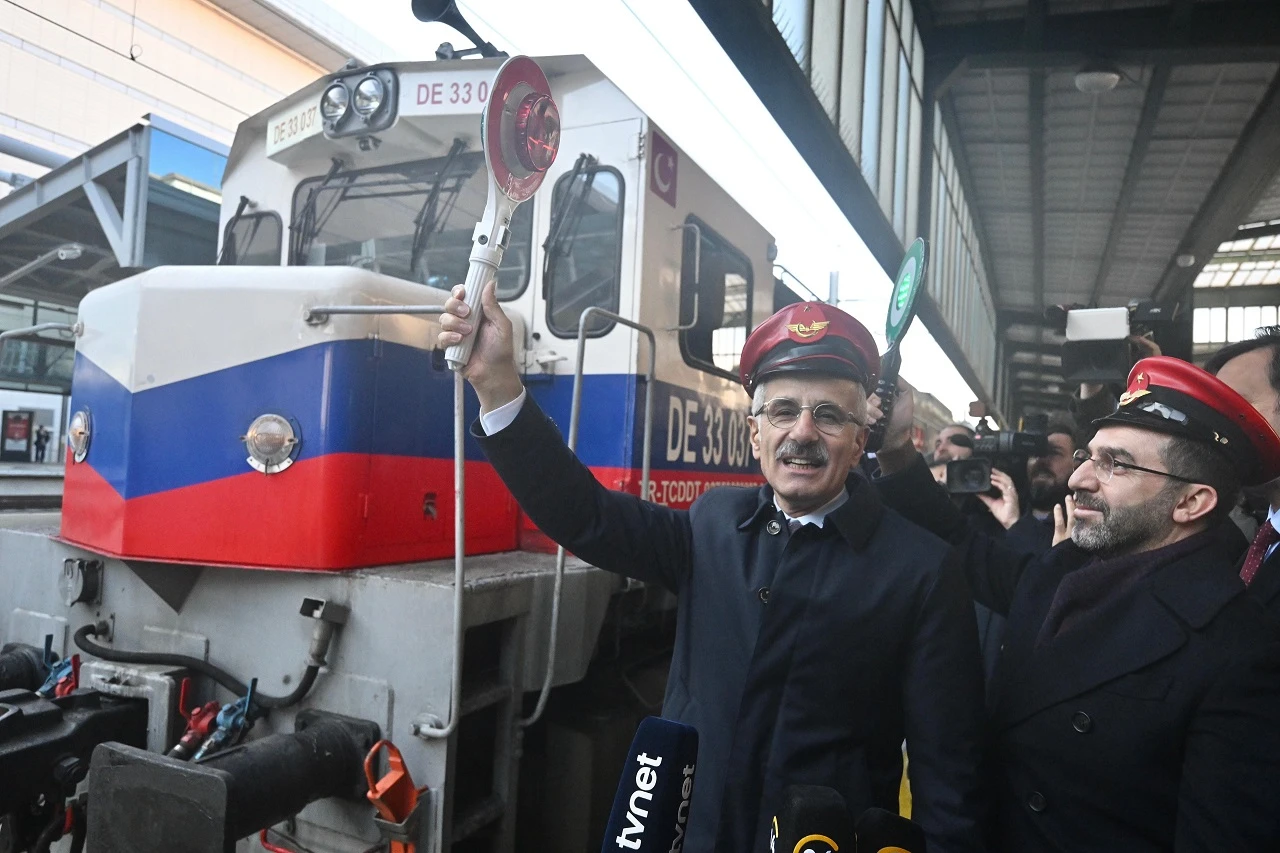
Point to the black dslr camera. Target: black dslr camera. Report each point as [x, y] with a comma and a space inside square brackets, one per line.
[1005, 450]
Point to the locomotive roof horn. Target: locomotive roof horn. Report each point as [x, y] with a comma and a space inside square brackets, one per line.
[446, 12]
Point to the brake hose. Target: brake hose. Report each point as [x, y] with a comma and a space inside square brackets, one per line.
[217, 673]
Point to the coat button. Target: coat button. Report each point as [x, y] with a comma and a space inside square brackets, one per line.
[1081, 722]
[774, 527]
[1036, 802]
[764, 594]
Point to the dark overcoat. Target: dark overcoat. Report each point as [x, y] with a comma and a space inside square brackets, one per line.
[799, 658]
[1151, 725]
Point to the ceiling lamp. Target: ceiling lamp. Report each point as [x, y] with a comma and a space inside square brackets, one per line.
[1097, 77]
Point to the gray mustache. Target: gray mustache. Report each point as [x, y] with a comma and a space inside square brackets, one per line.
[814, 451]
[1089, 503]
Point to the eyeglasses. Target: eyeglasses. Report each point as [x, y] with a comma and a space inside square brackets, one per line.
[1104, 465]
[827, 417]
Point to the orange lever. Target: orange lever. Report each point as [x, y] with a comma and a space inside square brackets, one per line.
[394, 795]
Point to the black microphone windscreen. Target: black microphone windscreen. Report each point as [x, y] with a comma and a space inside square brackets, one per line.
[811, 819]
[881, 831]
[651, 808]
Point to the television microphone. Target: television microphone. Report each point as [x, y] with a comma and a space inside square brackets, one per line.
[811, 819]
[881, 831]
[651, 809]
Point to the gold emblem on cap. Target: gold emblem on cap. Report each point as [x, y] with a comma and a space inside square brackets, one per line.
[1220, 439]
[1129, 396]
[810, 330]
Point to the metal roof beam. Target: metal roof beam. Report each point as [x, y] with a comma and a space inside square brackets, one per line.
[1137, 155]
[1237, 297]
[1245, 177]
[1033, 347]
[1179, 17]
[1231, 31]
[1268, 229]
[1037, 12]
[1036, 140]
[1007, 317]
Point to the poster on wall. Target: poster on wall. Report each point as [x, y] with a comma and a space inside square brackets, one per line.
[17, 435]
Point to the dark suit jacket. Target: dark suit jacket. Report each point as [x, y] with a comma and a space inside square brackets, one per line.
[800, 658]
[1154, 725]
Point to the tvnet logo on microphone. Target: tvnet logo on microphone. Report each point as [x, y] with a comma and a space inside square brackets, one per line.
[651, 809]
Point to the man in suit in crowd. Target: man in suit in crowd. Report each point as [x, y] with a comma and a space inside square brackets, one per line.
[1252, 369]
[1136, 703]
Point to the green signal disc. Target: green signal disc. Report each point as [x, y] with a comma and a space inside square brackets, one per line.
[905, 289]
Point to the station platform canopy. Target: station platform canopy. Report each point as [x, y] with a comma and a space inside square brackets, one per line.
[146, 197]
[1054, 152]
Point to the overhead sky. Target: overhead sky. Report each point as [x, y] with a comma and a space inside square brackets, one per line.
[663, 57]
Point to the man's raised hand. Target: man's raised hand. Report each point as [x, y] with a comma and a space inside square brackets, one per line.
[492, 368]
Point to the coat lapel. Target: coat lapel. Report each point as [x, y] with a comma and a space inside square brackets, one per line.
[1127, 635]
[1144, 625]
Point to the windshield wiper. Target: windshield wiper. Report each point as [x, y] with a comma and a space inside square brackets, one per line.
[229, 255]
[566, 215]
[306, 225]
[432, 212]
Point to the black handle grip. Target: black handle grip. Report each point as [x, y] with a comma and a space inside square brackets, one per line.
[887, 391]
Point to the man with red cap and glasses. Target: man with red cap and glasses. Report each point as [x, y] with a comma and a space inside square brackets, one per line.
[1136, 703]
[815, 630]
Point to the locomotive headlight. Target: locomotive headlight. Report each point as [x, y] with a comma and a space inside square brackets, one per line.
[271, 442]
[370, 94]
[334, 102]
[537, 132]
[78, 434]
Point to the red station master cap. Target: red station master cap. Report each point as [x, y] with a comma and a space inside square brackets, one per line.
[810, 336]
[1173, 396]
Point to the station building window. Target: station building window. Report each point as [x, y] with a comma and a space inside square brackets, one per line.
[584, 254]
[720, 275]
[252, 240]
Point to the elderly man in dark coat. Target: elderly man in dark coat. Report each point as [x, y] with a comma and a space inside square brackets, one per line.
[815, 630]
[1136, 704]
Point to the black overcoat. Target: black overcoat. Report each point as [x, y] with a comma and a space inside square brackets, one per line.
[1152, 725]
[799, 658]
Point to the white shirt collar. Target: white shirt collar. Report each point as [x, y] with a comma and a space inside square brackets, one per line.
[1273, 518]
[819, 515]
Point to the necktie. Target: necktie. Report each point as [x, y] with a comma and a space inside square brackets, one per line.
[1267, 536]
[793, 524]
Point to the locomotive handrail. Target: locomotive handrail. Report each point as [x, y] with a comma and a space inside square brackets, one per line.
[697, 275]
[319, 315]
[431, 728]
[76, 329]
[574, 416]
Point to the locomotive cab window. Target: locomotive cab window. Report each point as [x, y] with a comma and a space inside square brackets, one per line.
[252, 240]
[584, 251]
[720, 275]
[409, 220]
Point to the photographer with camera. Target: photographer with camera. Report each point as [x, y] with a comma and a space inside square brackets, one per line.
[1136, 704]
[954, 441]
[1101, 345]
[1046, 487]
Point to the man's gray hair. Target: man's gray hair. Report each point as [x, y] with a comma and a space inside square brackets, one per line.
[859, 400]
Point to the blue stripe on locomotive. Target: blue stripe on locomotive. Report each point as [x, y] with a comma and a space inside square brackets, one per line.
[364, 396]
